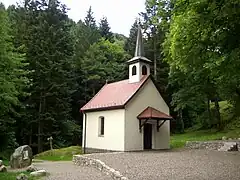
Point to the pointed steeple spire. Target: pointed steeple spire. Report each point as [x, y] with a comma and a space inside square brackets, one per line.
[139, 66]
[139, 51]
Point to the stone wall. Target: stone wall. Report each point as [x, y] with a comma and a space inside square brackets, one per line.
[83, 160]
[210, 145]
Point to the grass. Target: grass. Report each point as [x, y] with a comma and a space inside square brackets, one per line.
[6, 162]
[179, 140]
[64, 154]
[13, 175]
[232, 129]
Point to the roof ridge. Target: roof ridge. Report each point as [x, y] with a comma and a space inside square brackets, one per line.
[118, 81]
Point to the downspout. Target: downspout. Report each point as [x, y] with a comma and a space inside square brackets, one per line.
[85, 133]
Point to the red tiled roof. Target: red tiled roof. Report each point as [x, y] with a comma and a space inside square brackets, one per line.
[152, 113]
[114, 95]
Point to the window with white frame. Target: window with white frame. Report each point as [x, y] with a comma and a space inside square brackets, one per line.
[101, 126]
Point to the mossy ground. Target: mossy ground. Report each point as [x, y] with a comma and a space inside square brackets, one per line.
[64, 154]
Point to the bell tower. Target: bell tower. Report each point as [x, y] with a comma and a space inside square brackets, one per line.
[139, 66]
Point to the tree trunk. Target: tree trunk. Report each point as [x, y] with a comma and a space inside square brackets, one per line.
[181, 121]
[209, 96]
[85, 92]
[40, 148]
[218, 115]
[30, 137]
[94, 92]
[209, 113]
[40, 126]
[155, 55]
[238, 91]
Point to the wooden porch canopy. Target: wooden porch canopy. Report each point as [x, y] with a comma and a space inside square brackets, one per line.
[153, 114]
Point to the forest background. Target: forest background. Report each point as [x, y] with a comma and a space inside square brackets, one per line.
[50, 66]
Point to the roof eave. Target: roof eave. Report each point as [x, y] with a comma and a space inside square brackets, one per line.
[103, 108]
[139, 58]
[157, 118]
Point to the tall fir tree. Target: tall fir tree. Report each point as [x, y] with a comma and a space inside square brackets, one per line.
[84, 36]
[49, 50]
[12, 82]
[131, 41]
[89, 19]
[105, 29]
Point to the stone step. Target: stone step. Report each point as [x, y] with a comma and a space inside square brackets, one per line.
[229, 146]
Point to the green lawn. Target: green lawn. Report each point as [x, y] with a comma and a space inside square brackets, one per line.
[179, 140]
[232, 128]
[64, 154]
[13, 175]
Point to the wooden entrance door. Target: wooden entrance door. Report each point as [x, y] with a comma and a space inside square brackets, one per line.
[147, 136]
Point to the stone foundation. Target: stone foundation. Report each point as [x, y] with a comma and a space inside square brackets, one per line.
[94, 150]
[210, 145]
[83, 160]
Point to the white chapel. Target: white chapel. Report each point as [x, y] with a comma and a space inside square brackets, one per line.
[128, 115]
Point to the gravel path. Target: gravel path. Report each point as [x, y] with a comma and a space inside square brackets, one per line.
[172, 165]
[69, 171]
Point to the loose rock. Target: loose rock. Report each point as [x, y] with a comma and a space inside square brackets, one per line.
[3, 169]
[124, 178]
[39, 173]
[117, 174]
[22, 157]
[31, 168]
[1, 162]
[22, 177]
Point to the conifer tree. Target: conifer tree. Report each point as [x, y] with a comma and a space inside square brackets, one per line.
[12, 81]
[89, 19]
[104, 29]
[131, 41]
[49, 50]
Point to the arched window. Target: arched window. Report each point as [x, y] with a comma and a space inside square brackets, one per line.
[134, 70]
[144, 70]
[101, 126]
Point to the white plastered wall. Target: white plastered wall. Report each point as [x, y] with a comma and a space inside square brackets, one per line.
[113, 138]
[147, 96]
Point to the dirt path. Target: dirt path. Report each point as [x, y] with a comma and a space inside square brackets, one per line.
[68, 171]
